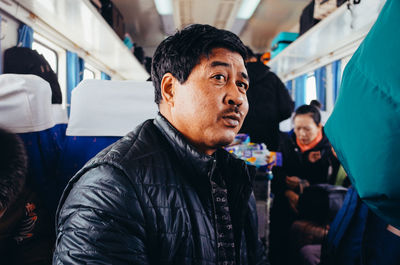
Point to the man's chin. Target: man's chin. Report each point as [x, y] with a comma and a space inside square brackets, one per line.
[225, 141]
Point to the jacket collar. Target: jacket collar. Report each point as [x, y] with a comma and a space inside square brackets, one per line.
[202, 163]
[199, 162]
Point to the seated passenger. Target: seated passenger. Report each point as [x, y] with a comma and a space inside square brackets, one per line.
[324, 114]
[307, 160]
[26, 231]
[307, 156]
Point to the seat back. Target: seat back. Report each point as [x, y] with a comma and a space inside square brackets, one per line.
[25, 107]
[60, 117]
[102, 111]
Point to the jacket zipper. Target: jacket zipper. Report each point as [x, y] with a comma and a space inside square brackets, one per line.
[213, 208]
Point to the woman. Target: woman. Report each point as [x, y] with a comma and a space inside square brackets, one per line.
[307, 160]
[307, 156]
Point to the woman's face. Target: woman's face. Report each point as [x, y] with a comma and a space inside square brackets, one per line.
[305, 128]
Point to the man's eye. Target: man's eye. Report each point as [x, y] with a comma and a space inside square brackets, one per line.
[243, 85]
[219, 77]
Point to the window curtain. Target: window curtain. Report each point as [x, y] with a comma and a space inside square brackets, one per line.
[289, 87]
[336, 77]
[75, 67]
[105, 76]
[25, 36]
[320, 80]
[300, 91]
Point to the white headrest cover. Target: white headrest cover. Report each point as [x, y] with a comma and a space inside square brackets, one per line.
[25, 103]
[110, 108]
[60, 115]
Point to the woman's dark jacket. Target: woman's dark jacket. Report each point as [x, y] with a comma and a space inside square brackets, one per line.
[147, 200]
[296, 163]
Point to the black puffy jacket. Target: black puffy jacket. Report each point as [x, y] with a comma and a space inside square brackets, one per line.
[147, 200]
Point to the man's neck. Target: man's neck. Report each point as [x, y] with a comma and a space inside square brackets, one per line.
[166, 114]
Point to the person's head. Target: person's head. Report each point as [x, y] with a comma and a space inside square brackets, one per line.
[316, 103]
[307, 123]
[200, 82]
[13, 168]
[251, 57]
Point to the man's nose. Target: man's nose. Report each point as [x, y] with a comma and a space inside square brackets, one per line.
[234, 97]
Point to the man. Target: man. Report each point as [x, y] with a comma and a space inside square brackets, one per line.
[26, 234]
[270, 103]
[167, 193]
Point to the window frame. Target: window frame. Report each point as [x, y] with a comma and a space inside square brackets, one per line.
[49, 48]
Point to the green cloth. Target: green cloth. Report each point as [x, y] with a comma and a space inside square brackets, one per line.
[364, 127]
[340, 177]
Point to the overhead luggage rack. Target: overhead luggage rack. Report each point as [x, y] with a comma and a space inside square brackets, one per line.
[76, 25]
[335, 37]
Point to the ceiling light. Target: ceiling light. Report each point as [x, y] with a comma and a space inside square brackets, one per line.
[247, 8]
[164, 7]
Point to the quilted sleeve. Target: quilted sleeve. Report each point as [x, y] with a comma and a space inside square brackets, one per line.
[102, 221]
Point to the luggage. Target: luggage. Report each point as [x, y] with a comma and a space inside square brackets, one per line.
[322, 8]
[113, 17]
[320, 203]
[97, 4]
[307, 19]
[21, 60]
[359, 237]
[281, 41]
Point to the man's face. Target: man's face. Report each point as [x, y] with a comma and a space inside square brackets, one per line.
[209, 108]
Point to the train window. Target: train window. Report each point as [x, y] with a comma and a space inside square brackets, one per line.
[90, 72]
[311, 88]
[49, 54]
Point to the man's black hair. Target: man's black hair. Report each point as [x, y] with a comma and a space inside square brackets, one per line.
[13, 167]
[311, 110]
[250, 53]
[181, 52]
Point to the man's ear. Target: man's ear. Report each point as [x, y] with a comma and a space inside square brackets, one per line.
[168, 88]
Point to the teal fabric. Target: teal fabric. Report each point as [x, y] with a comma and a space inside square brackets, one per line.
[364, 127]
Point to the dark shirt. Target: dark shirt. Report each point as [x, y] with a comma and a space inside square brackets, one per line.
[225, 236]
[26, 232]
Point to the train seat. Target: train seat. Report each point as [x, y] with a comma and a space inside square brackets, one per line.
[25, 107]
[102, 112]
[60, 117]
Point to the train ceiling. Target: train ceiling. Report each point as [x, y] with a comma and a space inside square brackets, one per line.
[149, 26]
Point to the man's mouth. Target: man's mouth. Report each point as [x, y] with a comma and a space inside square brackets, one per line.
[232, 120]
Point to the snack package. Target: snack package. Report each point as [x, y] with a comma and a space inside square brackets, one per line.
[254, 154]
